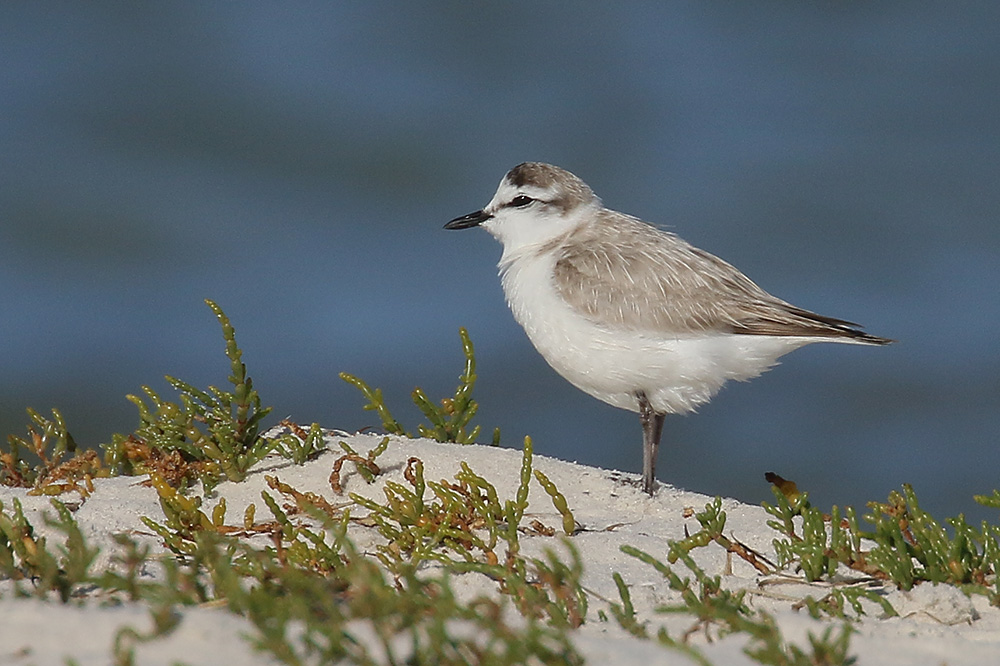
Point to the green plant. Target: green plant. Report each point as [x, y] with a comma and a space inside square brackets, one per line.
[448, 422]
[366, 465]
[300, 445]
[25, 556]
[713, 522]
[61, 466]
[817, 551]
[905, 545]
[216, 428]
[559, 502]
[845, 602]
[726, 611]
[417, 529]
[911, 546]
[316, 579]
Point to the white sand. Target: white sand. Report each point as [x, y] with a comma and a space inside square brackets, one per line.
[940, 624]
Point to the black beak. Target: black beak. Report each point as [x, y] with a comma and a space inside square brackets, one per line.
[470, 220]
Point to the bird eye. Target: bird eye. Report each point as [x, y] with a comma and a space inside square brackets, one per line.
[520, 201]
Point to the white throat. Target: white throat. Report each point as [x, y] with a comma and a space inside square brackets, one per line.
[524, 233]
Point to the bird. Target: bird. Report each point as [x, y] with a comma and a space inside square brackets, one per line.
[630, 313]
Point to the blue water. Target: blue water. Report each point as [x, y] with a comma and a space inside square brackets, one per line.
[296, 165]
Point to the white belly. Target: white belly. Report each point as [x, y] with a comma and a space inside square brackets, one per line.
[676, 372]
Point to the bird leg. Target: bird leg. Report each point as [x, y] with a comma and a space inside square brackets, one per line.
[652, 429]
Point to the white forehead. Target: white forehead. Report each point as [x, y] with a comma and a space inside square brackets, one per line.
[557, 189]
[507, 190]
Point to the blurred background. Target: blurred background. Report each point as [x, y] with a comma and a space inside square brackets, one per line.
[296, 165]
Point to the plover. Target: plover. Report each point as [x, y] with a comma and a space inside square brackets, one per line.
[629, 313]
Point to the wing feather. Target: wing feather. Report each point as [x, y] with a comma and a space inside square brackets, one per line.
[627, 273]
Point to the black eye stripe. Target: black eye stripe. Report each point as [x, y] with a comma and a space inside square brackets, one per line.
[520, 201]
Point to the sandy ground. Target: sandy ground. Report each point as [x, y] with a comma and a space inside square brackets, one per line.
[939, 624]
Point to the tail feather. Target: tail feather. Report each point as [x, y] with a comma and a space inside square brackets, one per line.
[795, 321]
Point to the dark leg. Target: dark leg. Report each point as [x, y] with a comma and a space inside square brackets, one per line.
[652, 429]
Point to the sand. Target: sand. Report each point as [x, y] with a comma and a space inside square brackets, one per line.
[937, 625]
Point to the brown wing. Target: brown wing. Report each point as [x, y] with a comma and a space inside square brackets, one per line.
[634, 275]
